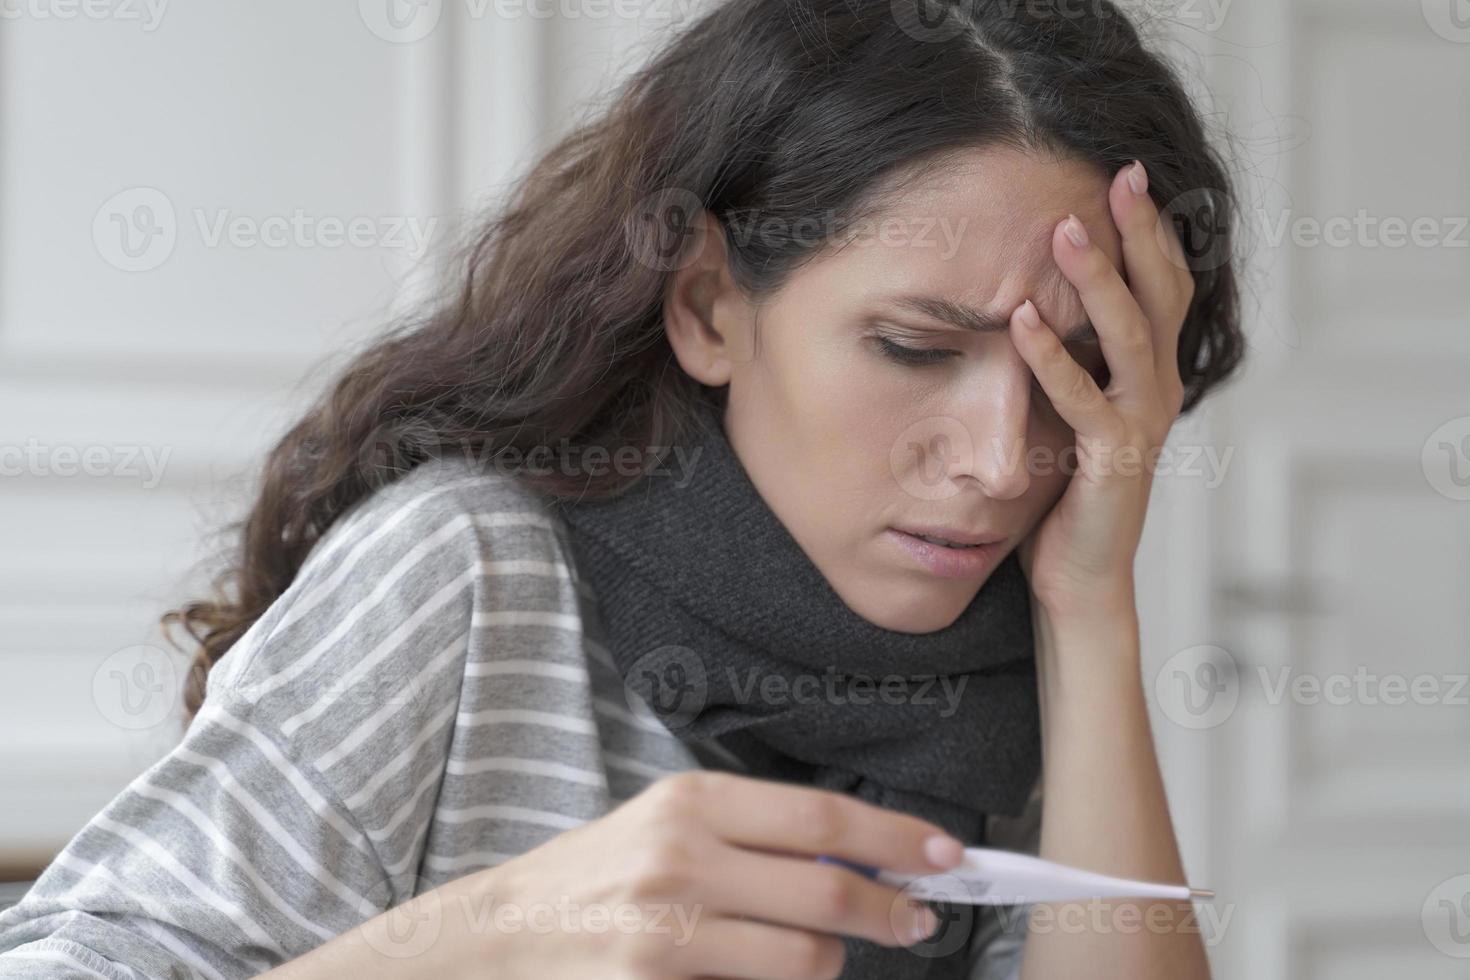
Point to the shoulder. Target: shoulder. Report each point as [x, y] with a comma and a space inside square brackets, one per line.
[437, 605]
[394, 586]
[450, 498]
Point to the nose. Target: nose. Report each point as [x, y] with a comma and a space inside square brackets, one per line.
[996, 408]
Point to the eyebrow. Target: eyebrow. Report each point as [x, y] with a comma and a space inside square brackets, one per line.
[981, 321]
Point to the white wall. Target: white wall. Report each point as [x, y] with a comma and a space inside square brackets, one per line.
[142, 378]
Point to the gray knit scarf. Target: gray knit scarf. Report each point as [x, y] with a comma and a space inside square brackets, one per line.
[718, 619]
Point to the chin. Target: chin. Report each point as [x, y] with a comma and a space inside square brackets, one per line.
[905, 601]
[916, 610]
[910, 622]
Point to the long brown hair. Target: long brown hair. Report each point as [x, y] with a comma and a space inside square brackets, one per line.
[794, 110]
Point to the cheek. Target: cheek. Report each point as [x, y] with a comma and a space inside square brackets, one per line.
[850, 414]
[807, 389]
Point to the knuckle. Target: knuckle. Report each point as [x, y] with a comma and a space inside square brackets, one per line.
[836, 897]
[1049, 350]
[638, 959]
[706, 783]
[1138, 339]
[820, 817]
[665, 866]
[1081, 387]
[683, 784]
[677, 795]
[656, 792]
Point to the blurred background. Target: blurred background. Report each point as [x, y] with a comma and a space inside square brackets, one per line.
[205, 207]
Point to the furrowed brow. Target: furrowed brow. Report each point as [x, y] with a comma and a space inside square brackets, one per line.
[981, 321]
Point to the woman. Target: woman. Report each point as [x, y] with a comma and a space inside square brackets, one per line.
[769, 490]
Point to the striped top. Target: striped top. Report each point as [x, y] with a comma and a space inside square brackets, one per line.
[429, 697]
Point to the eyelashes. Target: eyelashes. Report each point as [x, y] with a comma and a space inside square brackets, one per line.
[914, 355]
[1091, 359]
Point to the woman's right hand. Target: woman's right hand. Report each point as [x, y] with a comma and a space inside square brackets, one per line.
[704, 873]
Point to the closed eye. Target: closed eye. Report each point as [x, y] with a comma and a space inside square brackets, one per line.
[1095, 364]
[914, 355]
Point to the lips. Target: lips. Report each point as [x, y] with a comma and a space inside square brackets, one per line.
[951, 537]
[943, 542]
[948, 561]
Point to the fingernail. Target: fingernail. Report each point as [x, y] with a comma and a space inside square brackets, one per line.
[923, 925]
[1075, 231]
[943, 851]
[1030, 319]
[1138, 178]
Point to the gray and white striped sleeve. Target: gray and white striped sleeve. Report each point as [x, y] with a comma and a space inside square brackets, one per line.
[249, 843]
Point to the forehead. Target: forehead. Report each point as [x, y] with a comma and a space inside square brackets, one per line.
[977, 227]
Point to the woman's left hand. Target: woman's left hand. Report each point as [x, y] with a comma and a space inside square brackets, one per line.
[1079, 559]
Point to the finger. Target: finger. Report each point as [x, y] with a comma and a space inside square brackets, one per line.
[1153, 258]
[786, 817]
[755, 950]
[797, 891]
[1121, 326]
[1073, 392]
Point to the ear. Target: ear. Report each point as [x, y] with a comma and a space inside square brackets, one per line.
[708, 320]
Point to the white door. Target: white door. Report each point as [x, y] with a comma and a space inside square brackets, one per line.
[1318, 709]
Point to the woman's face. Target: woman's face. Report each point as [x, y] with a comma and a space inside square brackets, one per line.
[849, 438]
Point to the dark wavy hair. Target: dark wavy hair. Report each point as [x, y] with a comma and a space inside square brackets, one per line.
[551, 330]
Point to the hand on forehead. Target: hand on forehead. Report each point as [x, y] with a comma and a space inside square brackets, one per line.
[991, 215]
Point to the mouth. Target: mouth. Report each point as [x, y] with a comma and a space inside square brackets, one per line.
[954, 554]
[942, 541]
[950, 537]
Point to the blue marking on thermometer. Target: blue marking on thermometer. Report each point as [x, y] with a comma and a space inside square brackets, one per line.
[867, 871]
